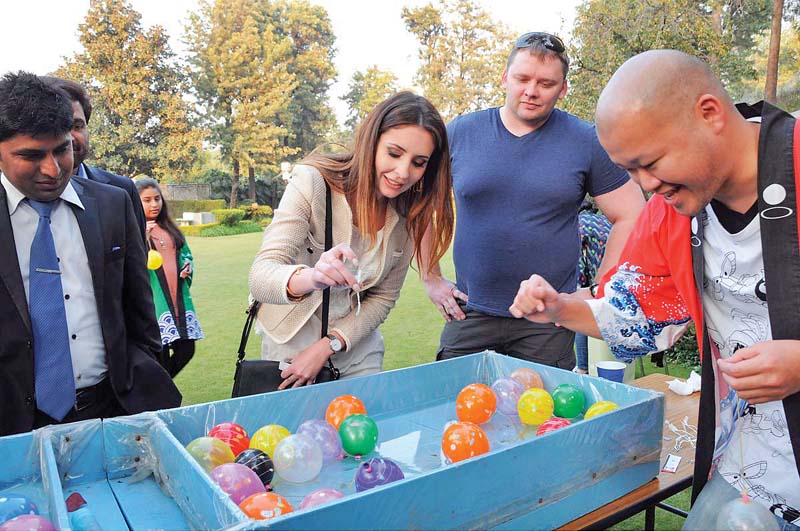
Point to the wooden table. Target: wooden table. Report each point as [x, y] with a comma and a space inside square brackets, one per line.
[646, 497]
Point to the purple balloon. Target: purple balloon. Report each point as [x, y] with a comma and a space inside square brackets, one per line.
[325, 436]
[237, 481]
[28, 522]
[507, 391]
[377, 471]
[318, 497]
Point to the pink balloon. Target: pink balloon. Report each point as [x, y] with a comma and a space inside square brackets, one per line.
[28, 522]
[325, 436]
[237, 481]
[507, 391]
[318, 497]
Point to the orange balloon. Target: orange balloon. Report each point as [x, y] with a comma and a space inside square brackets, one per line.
[342, 407]
[528, 377]
[264, 505]
[476, 403]
[462, 440]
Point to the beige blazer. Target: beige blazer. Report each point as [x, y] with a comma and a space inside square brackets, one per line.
[296, 236]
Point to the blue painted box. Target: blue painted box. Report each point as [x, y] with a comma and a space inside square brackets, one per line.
[524, 482]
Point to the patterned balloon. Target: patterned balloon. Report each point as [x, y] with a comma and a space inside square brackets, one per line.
[319, 497]
[462, 440]
[507, 391]
[569, 401]
[476, 403]
[265, 505]
[237, 481]
[231, 434]
[298, 459]
[342, 407]
[268, 437]
[552, 425]
[377, 471]
[258, 462]
[359, 435]
[743, 514]
[600, 408]
[528, 377]
[13, 504]
[28, 522]
[325, 436]
[535, 406]
[210, 452]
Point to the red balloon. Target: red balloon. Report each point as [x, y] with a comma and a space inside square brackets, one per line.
[552, 424]
[342, 407]
[476, 403]
[233, 435]
[462, 440]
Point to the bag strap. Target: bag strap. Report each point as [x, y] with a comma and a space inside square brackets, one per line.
[252, 310]
[326, 294]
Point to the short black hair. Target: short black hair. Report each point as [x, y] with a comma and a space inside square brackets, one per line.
[30, 106]
[75, 91]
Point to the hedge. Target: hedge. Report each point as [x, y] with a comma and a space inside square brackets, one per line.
[244, 227]
[229, 216]
[178, 206]
[194, 230]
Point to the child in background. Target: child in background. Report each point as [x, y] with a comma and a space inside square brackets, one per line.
[170, 282]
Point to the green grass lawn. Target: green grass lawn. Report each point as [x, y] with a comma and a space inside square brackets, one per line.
[411, 332]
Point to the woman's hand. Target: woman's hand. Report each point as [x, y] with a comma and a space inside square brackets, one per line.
[330, 269]
[186, 270]
[306, 364]
[148, 229]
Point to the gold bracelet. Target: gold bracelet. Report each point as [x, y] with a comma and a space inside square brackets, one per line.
[291, 294]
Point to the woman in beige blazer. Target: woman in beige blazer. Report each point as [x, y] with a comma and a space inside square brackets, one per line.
[385, 193]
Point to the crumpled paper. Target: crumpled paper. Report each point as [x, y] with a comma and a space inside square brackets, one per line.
[691, 385]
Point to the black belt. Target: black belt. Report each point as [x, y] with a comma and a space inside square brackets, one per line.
[89, 396]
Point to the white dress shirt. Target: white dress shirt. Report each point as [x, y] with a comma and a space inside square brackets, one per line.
[89, 364]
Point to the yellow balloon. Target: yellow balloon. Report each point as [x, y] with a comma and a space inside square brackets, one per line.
[268, 437]
[210, 452]
[600, 408]
[535, 406]
[154, 259]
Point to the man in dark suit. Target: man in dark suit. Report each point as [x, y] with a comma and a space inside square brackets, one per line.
[81, 113]
[79, 336]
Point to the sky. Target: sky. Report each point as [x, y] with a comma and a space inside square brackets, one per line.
[368, 32]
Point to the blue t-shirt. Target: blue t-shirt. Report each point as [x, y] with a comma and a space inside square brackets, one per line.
[517, 201]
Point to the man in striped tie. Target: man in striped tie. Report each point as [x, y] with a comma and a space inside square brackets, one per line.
[79, 335]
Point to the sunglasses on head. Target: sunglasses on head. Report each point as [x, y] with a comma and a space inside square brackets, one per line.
[551, 42]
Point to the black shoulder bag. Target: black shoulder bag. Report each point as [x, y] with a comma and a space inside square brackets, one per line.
[253, 377]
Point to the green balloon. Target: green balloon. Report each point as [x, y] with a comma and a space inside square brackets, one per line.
[569, 401]
[359, 435]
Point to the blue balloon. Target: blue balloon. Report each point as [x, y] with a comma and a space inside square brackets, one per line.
[13, 504]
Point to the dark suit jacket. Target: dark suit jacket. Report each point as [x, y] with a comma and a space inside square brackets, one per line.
[121, 283]
[102, 176]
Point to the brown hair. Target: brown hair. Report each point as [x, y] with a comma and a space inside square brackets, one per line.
[353, 174]
[541, 51]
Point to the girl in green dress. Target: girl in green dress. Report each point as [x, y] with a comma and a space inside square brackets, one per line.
[170, 281]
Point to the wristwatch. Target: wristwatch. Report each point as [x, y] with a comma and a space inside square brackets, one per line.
[336, 343]
[593, 289]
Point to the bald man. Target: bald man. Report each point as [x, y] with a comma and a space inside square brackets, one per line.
[721, 226]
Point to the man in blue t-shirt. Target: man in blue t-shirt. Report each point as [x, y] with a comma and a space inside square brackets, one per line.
[520, 173]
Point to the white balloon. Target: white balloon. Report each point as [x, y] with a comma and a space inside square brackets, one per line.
[746, 515]
[297, 459]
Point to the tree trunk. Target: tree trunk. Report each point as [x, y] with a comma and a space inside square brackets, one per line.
[771, 86]
[235, 184]
[251, 188]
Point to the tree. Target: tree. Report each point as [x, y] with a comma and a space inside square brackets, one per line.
[463, 53]
[365, 91]
[787, 78]
[243, 83]
[771, 83]
[140, 123]
[309, 117]
[607, 32]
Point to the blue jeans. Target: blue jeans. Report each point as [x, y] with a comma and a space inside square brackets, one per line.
[582, 351]
[714, 495]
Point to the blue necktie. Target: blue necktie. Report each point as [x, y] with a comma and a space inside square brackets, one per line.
[55, 384]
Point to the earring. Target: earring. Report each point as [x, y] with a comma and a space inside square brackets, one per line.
[418, 187]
